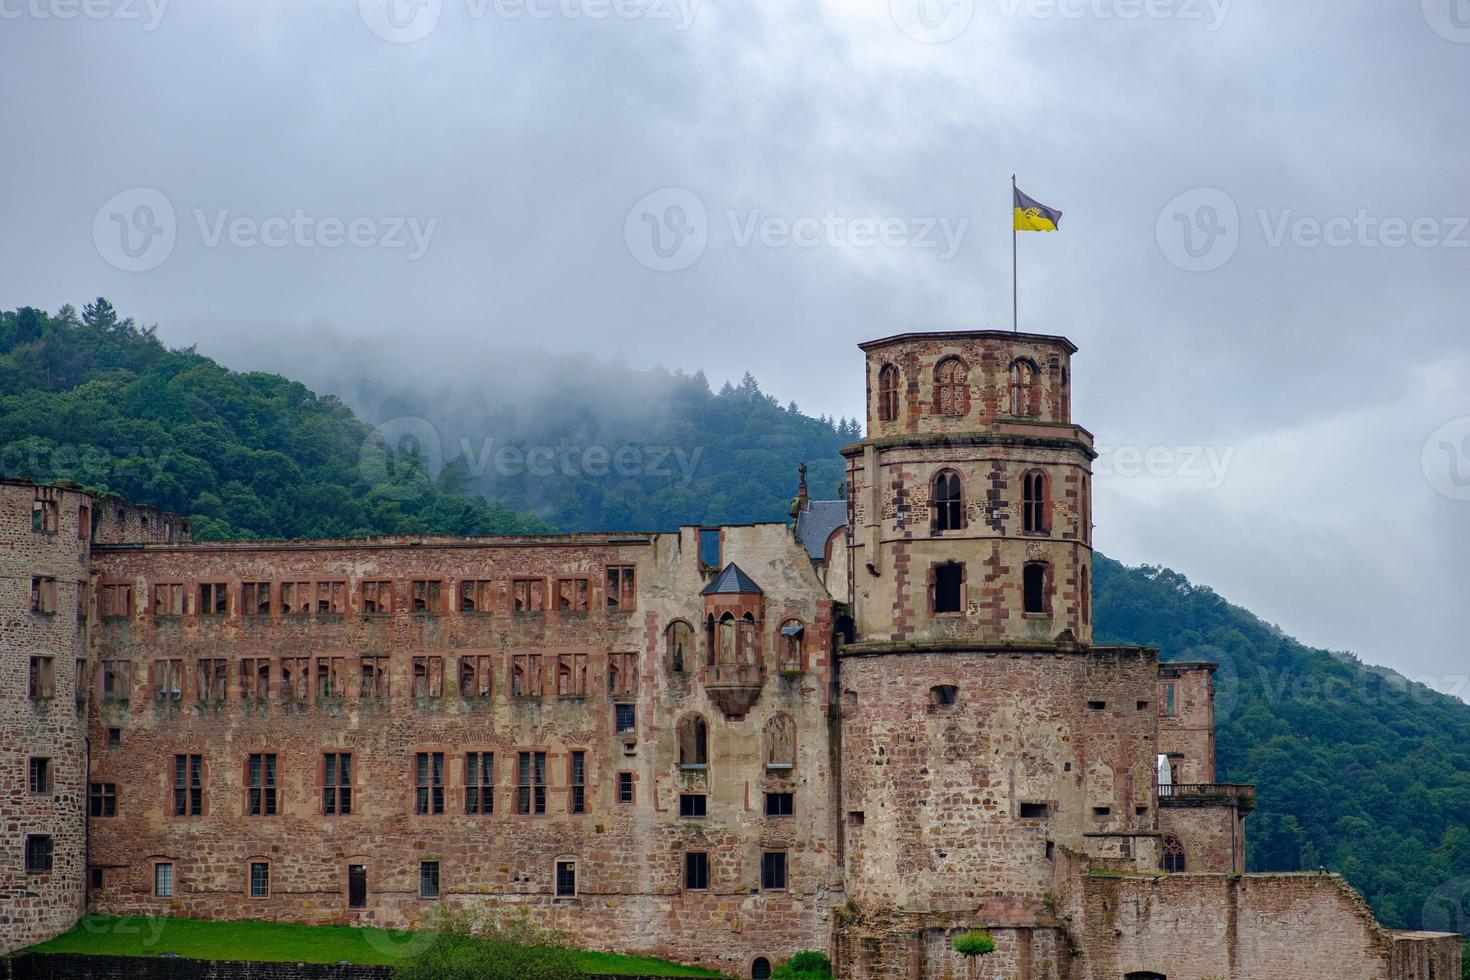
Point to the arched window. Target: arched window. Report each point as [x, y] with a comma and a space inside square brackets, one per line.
[1025, 394]
[1085, 588]
[1034, 586]
[1035, 514]
[760, 969]
[748, 641]
[943, 695]
[679, 637]
[887, 393]
[951, 388]
[722, 640]
[947, 505]
[781, 742]
[1172, 855]
[790, 640]
[693, 742]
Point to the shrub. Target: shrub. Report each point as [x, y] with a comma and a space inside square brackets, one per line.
[807, 965]
[974, 943]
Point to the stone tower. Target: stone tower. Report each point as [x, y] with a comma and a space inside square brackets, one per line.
[971, 495]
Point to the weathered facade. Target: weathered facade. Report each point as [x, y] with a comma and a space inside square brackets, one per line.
[866, 732]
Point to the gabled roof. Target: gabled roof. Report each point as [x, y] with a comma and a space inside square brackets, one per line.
[732, 581]
[816, 524]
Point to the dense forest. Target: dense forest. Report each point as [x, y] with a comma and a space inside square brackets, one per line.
[1358, 770]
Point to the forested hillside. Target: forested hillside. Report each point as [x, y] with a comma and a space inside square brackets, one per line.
[1358, 771]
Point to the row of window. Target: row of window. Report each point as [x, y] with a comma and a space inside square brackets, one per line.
[567, 594]
[947, 586]
[430, 783]
[952, 388]
[947, 503]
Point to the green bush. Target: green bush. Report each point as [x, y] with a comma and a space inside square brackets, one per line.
[807, 965]
[465, 947]
[974, 943]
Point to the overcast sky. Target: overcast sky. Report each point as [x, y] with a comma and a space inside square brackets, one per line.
[1264, 256]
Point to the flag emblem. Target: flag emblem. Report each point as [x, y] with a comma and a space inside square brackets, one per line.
[1032, 215]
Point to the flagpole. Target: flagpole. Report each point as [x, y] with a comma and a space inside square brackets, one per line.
[1015, 310]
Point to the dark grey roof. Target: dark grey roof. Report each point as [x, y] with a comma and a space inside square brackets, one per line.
[816, 524]
[732, 581]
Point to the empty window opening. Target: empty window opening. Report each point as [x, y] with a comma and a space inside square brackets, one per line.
[1035, 811]
[42, 681]
[428, 597]
[780, 736]
[693, 806]
[1034, 587]
[887, 393]
[102, 799]
[476, 676]
[357, 886]
[331, 678]
[377, 598]
[773, 871]
[1097, 705]
[679, 637]
[572, 594]
[255, 598]
[943, 695]
[39, 775]
[622, 674]
[526, 675]
[571, 675]
[528, 595]
[760, 969]
[1102, 811]
[476, 596]
[696, 871]
[1025, 395]
[622, 595]
[780, 804]
[428, 677]
[693, 743]
[213, 599]
[44, 516]
[1035, 514]
[212, 680]
[43, 595]
[949, 587]
[951, 388]
[709, 548]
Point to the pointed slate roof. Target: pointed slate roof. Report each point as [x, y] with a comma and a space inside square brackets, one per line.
[732, 581]
[816, 524]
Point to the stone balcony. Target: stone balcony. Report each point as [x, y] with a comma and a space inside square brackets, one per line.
[1239, 795]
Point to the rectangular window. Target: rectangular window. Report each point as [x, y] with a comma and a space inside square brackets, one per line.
[255, 598]
[531, 783]
[479, 782]
[260, 879]
[622, 595]
[43, 594]
[168, 679]
[693, 806]
[528, 595]
[429, 783]
[377, 597]
[337, 783]
[295, 678]
[622, 674]
[526, 676]
[428, 879]
[566, 879]
[116, 600]
[1035, 811]
[780, 804]
[476, 596]
[571, 594]
[296, 598]
[428, 596]
[1171, 706]
[96, 879]
[261, 801]
[213, 599]
[331, 677]
[624, 718]
[773, 870]
[476, 676]
[374, 677]
[188, 785]
[331, 598]
[428, 677]
[709, 548]
[83, 590]
[625, 787]
[38, 854]
[578, 800]
[696, 871]
[43, 677]
[212, 679]
[255, 678]
[168, 599]
[114, 737]
[163, 880]
[44, 516]
[571, 674]
[948, 595]
[40, 775]
[357, 886]
[102, 799]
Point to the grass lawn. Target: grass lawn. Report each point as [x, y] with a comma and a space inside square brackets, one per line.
[142, 936]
